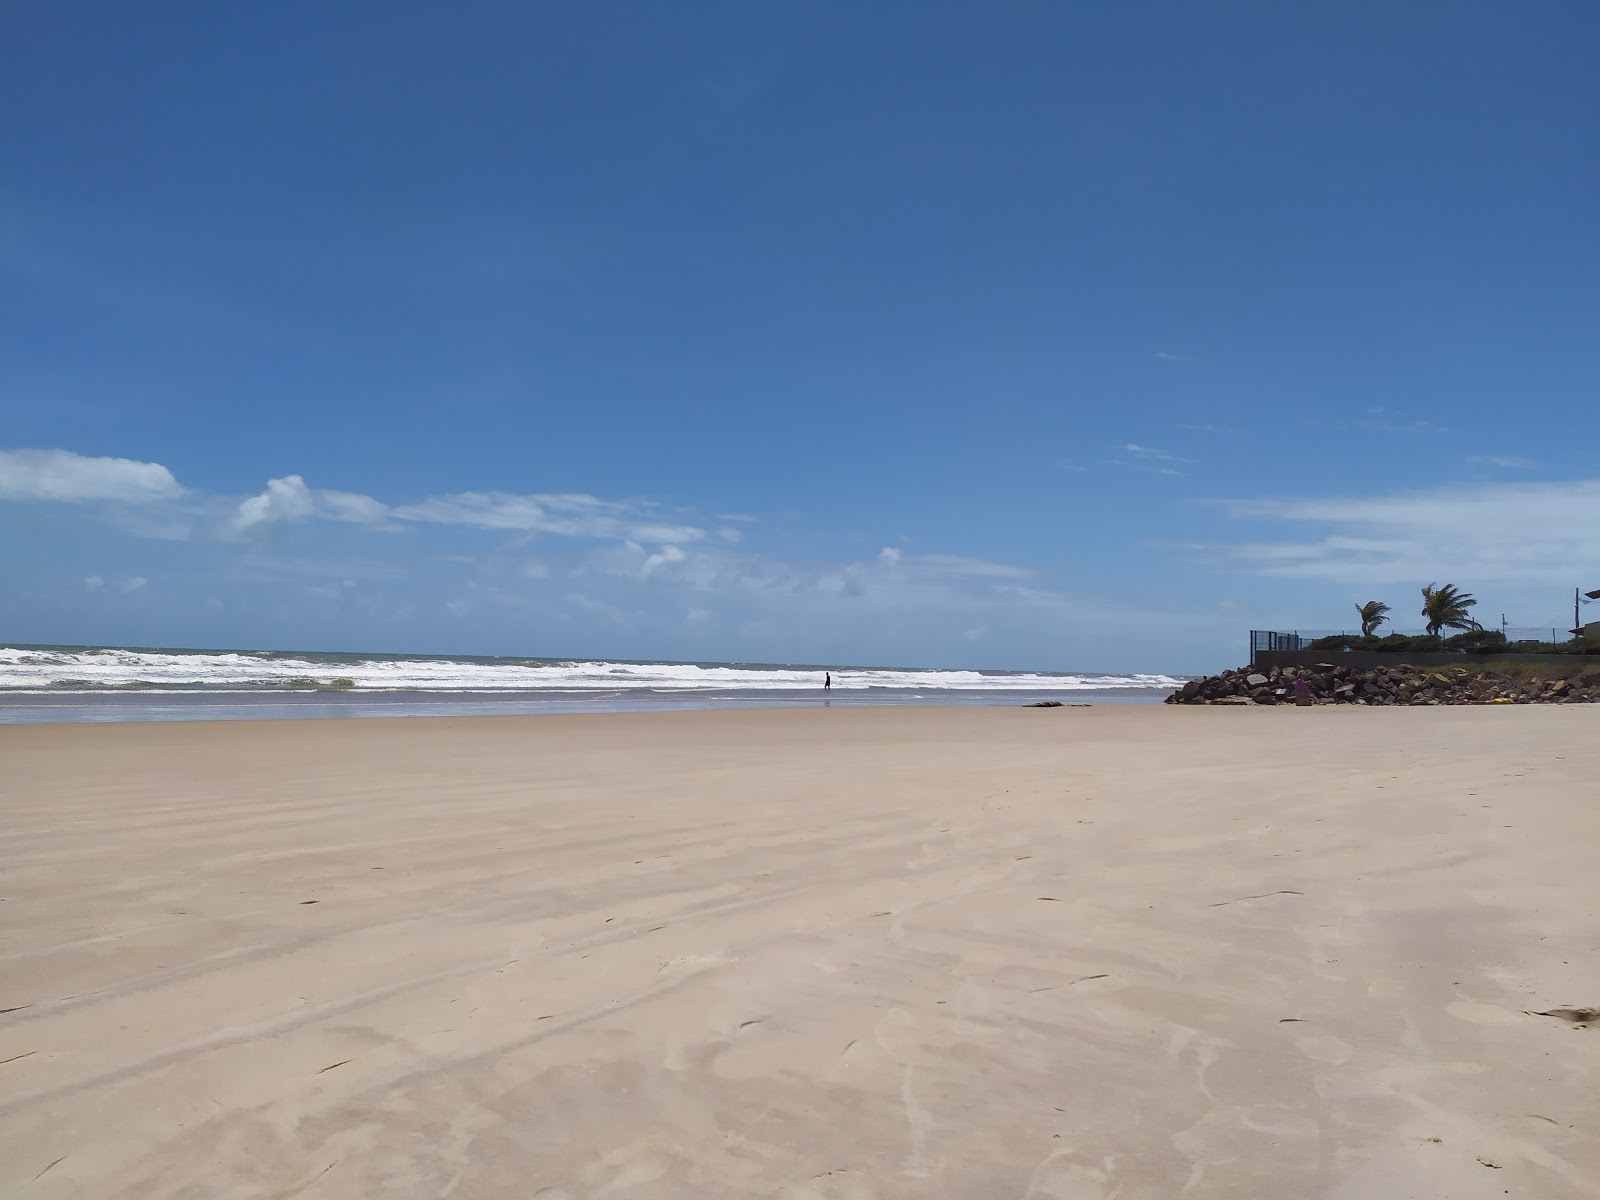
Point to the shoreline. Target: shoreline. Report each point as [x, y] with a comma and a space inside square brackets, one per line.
[60, 708]
[919, 951]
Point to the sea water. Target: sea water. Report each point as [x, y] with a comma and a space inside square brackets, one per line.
[51, 684]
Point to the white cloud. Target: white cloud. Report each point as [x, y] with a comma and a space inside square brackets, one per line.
[564, 514]
[484, 510]
[888, 578]
[955, 564]
[289, 499]
[1151, 452]
[661, 533]
[350, 506]
[1523, 533]
[65, 476]
[286, 499]
[135, 584]
[663, 557]
[1402, 424]
[94, 583]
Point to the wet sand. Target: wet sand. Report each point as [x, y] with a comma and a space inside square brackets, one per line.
[1078, 953]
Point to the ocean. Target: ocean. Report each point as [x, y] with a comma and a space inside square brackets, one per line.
[62, 684]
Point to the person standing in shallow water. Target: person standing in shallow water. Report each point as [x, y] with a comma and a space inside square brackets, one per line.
[827, 681]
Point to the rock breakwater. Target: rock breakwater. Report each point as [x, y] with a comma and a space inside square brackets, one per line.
[1329, 683]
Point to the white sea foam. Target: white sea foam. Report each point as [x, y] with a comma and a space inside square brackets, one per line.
[69, 670]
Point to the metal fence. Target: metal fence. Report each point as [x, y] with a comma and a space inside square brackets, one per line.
[1301, 639]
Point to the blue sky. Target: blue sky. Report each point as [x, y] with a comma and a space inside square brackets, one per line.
[1028, 335]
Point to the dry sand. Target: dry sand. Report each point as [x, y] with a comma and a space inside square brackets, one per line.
[1079, 953]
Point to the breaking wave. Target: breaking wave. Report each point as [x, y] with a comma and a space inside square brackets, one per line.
[87, 670]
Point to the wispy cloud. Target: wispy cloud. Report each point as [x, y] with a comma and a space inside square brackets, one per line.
[1380, 419]
[1150, 452]
[889, 578]
[566, 514]
[1526, 533]
[1510, 462]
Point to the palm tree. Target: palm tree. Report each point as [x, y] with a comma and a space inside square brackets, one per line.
[1373, 613]
[1446, 608]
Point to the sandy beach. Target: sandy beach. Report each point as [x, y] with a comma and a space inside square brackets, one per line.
[1081, 953]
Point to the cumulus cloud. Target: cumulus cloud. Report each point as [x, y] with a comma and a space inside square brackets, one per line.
[286, 499]
[62, 475]
[136, 583]
[290, 499]
[1526, 533]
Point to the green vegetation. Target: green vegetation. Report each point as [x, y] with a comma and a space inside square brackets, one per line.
[1446, 608]
[1473, 642]
[1373, 613]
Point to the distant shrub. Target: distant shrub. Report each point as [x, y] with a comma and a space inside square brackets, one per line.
[1476, 641]
[1399, 643]
[1336, 643]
